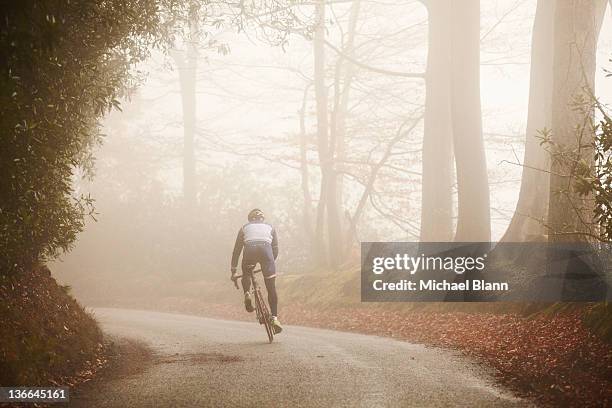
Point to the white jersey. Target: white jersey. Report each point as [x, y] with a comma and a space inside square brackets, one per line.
[253, 235]
[257, 232]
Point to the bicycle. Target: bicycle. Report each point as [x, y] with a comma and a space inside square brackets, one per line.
[261, 308]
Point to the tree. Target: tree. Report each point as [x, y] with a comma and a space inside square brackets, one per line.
[473, 213]
[532, 206]
[577, 25]
[307, 210]
[186, 62]
[325, 160]
[437, 178]
[343, 79]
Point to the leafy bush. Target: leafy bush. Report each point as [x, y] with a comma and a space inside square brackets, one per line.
[64, 64]
[595, 179]
[601, 183]
[589, 169]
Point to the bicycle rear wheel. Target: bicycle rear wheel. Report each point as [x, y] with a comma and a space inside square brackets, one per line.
[264, 313]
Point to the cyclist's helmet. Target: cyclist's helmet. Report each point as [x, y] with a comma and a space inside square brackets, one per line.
[256, 214]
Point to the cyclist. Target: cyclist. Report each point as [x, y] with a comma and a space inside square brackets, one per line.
[258, 239]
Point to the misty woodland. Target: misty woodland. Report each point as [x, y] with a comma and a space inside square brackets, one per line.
[137, 135]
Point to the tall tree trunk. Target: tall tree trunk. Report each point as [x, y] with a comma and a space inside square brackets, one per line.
[305, 176]
[342, 113]
[322, 130]
[474, 222]
[577, 25]
[342, 86]
[532, 206]
[334, 229]
[186, 62]
[437, 178]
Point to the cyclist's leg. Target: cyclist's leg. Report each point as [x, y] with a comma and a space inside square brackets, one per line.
[248, 264]
[246, 277]
[272, 296]
[247, 273]
[268, 269]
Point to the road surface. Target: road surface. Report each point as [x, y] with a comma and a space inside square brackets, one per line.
[207, 362]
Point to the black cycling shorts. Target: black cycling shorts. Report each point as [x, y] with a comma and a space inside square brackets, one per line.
[258, 253]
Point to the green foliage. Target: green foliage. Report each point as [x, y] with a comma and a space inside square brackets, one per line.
[595, 179]
[601, 183]
[589, 165]
[64, 65]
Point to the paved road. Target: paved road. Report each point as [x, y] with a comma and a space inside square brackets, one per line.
[207, 362]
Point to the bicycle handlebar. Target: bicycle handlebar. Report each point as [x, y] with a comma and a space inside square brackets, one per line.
[240, 276]
[255, 271]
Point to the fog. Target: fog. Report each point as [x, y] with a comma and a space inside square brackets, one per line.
[256, 144]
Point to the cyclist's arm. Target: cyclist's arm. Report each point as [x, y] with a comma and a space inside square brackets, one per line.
[274, 244]
[237, 249]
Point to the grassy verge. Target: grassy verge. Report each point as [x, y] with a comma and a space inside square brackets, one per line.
[47, 338]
